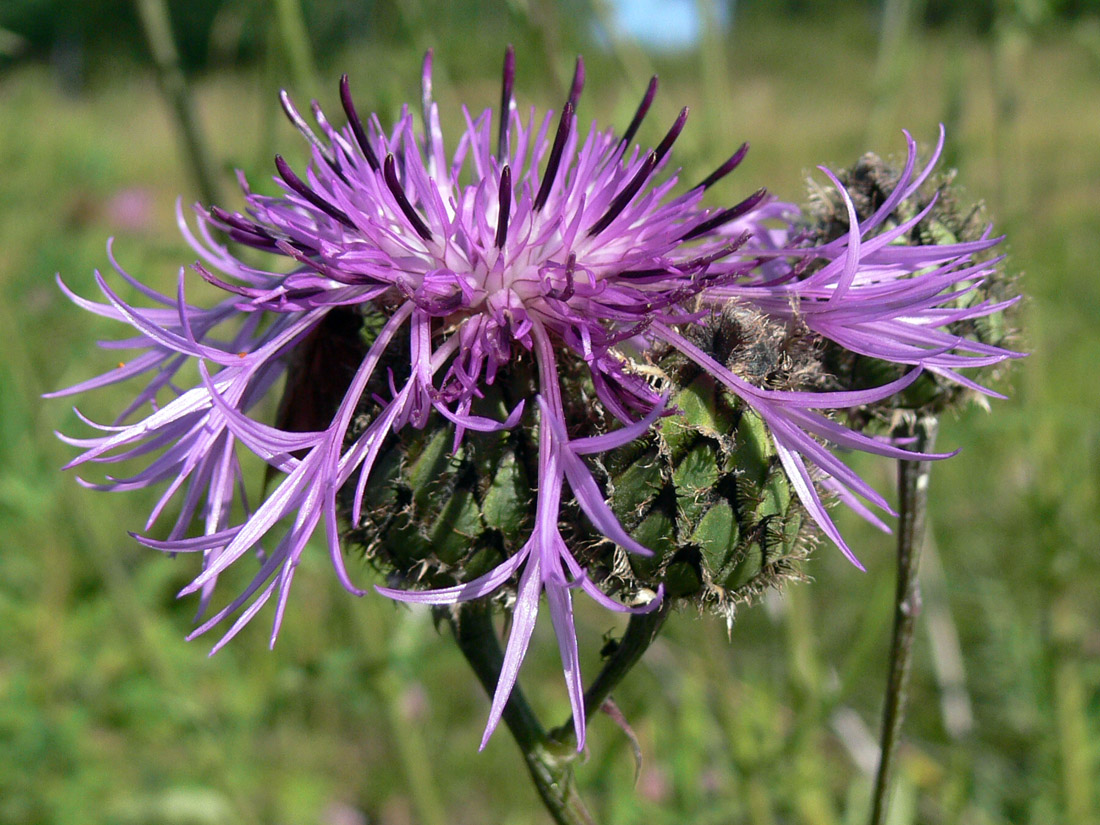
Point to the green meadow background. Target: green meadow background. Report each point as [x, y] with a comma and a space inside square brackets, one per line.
[363, 712]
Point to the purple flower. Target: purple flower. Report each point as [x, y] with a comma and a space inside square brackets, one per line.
[538, 240]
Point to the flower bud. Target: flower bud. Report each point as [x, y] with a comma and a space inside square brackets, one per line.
[951, 220]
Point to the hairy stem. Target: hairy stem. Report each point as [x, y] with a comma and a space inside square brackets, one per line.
[912, 510]
[548, 761]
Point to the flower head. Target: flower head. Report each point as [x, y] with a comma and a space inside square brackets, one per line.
[421, 279]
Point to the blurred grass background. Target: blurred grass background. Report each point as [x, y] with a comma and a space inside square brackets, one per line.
[363, 713]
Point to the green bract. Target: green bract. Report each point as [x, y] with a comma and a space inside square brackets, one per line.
[703, 490]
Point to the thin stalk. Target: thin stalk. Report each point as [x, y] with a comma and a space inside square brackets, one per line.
[912, 511]
[548, 761]
[157, 26]
[640, 633]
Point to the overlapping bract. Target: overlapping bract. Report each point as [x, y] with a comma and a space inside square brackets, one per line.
[546, 241]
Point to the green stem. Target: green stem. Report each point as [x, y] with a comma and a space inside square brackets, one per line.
[294, 36]
[157, 26]
[912, 510]
[548, 761]
[640, 633]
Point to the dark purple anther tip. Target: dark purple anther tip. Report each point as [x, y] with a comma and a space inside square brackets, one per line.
[725, 168]
[390, 174]
[296, 183]
[356, 124]
[564, 125]
[570, 282]
[673, 133]
[577, 86]
[505, 206]
[727, 215]
[623, 198]
[641, 176]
